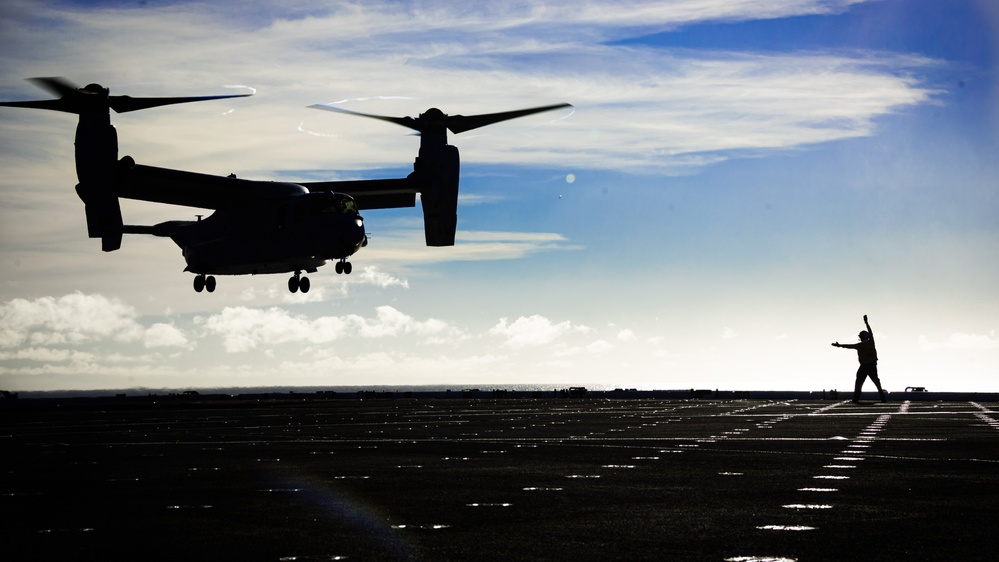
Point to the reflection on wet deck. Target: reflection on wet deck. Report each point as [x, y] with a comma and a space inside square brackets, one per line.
[501, 479]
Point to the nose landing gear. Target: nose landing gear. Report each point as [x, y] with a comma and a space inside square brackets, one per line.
[299, 283]
[201, 283]
[343, 266]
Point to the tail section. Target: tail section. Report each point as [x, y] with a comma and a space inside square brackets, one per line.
[97, 147]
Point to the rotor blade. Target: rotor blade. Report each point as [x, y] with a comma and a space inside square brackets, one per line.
[53, 105]
[408, 122]
[95, 98]
[124, 104]
[55, 85]
[67, 92]
[460, 123]
[433, 119]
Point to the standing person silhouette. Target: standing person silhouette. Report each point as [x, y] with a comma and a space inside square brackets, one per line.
[867, 354]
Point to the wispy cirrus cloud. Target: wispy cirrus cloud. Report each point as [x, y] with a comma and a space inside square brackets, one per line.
[639, 108]
[409, 246]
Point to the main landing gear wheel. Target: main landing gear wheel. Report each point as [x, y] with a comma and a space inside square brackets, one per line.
[202, 282]
[343, 266]
[299, 283]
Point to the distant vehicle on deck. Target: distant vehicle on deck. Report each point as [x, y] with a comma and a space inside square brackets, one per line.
[916, 389]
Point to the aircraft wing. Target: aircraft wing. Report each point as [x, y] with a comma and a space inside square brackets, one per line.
[191, 189]
[373, 194]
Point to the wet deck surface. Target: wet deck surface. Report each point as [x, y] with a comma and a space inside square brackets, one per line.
[508, 479]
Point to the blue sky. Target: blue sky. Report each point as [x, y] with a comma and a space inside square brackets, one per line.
[738, 184]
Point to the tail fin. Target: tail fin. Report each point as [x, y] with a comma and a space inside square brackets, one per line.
[97, 146]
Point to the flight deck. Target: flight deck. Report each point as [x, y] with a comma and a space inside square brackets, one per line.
[413, 478]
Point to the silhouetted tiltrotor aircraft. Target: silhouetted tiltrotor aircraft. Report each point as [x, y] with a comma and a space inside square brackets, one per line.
[257, 227]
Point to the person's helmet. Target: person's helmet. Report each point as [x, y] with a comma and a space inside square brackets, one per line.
[864, 335]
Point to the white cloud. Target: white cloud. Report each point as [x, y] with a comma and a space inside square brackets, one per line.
[317, 294]
[243, 329]
[530, 330]
[973, 341]
[729, 333]
[41, 354]
[390, 322]
[390, 367]
[371, 275]
[599, 346]
[566, 351]
[49, 331]
[165, 335]
[962, 341]
[71, 319]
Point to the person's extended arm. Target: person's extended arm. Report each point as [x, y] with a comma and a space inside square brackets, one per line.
[846, 345]
[868, 326]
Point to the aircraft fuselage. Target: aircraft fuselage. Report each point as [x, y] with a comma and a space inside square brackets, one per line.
[284, 235]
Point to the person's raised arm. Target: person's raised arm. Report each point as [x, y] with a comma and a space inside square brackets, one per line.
[868, 326]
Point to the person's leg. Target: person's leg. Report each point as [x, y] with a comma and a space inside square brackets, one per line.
[861, 375]
[873, 373]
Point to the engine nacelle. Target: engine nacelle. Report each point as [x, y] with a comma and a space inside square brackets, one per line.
[96, 167]
[439, 196]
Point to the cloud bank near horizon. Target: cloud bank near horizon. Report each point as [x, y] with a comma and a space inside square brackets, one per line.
[79, 335]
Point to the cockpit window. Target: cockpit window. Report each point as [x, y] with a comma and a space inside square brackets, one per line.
[349, 205]
[326, 203]
[340, 203]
